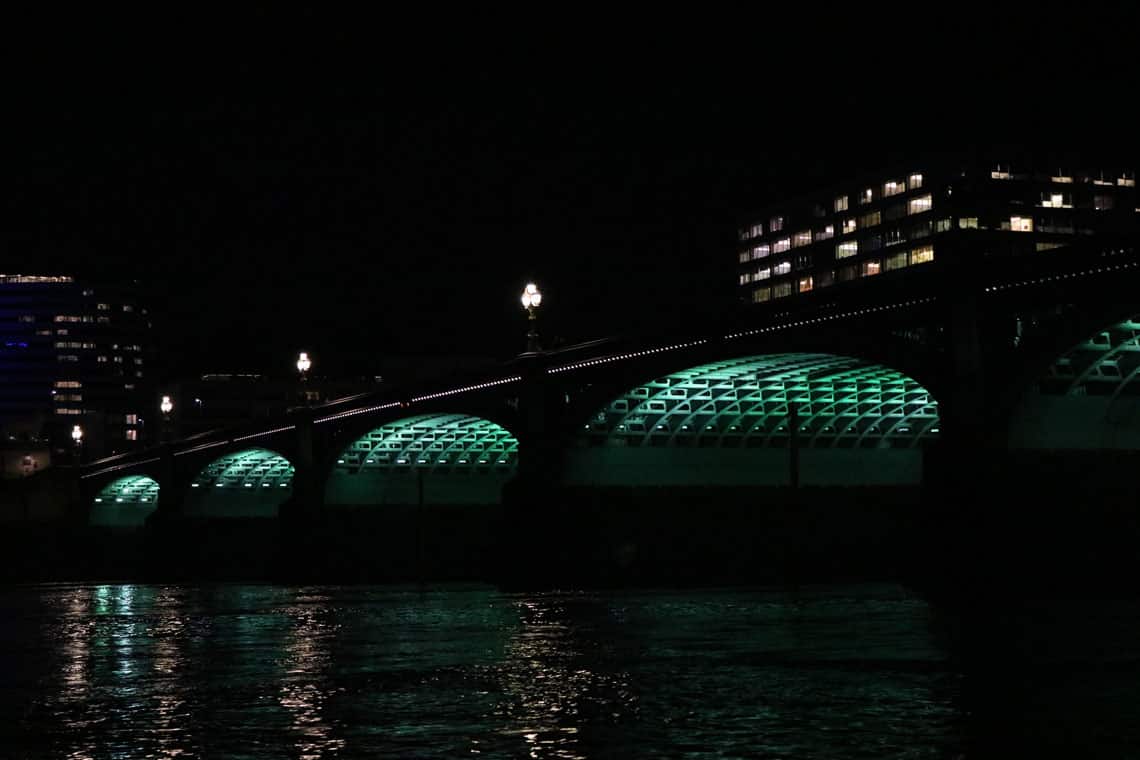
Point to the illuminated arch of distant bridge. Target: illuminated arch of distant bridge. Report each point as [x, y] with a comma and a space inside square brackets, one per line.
[841, 402]
[1088, 398]
[127, 501]
[744, 403]
[249, 483]
[460, 459]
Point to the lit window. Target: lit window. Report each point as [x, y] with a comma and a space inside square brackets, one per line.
[1001, 171]
[844, 250]
[893, 188]
[67, 358]
[894, 237]
[801, 238]
[782, 268]
[101, 359]
[745, 278]
[118, 360]
[1063, 177]
[922, 255]
[68, 384]
[895, 261]
[1056, 200]
[943, 225]
[1127, 179]
[870, 267]
[1021, 223]
[968, 223]
[919, 204]
[761, 294]
[103, 320]
[805, 284]
[784, 244]
[782, 289]
[775, 224]
[760, 251]
[27, 318]
[869, 220]
[103, 306]
[848, 226]
[132, 435]
[825, 233]
[914, 181]
[128, 307]
[1102, 202]
[762, 274]
[867, 196]
[68, 410]
[841, 203]
[131, 419]
[745, 256]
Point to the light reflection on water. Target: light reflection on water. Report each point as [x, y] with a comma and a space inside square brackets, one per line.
[265, 672]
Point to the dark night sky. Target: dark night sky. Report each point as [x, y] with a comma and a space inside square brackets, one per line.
[364, 189]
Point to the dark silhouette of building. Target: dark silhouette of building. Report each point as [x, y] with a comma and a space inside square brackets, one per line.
[73, 352]
[893, 220]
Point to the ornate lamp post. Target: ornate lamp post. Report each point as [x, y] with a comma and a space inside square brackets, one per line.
[303, 365]
[166, 406]
[531, 298]
[77, 440]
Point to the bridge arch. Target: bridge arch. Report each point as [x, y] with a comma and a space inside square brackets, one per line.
[458, 458]
[1087, 398]
[251, 482]
[727, 422]
[125, 502]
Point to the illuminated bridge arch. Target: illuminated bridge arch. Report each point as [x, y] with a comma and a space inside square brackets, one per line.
[461, 459]
[1088, 398]
[727, 422]
[249, 483]
[126, 502]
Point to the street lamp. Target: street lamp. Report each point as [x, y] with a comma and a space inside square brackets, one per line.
[531, 298]
[166, 406]
[77, 438]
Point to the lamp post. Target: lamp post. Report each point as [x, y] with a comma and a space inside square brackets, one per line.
[303, 365]
[166, 406]
[77, 440]
[531, 298]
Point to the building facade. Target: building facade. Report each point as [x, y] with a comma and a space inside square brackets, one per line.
[73, 353]
[894, 220]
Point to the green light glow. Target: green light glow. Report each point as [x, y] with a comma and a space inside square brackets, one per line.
[436, 443]
[443, 458]
[1105, 364]
[133, 489]
[252, 467]
[842, 402]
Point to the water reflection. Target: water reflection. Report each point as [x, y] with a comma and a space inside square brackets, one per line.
[556, 678]
[122, 671]
[305, 686]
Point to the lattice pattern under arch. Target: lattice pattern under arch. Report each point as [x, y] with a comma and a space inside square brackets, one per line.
[435, 443]
[842, 402]
[1105, 364]
[133, 489]
[259, 469]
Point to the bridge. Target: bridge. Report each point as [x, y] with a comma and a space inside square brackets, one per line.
[959, 378]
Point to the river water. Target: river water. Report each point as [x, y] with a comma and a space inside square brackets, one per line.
[238, 671]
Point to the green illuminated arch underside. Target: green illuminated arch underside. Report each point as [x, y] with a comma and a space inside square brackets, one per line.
[841, 402]
[435, 443]
[133, 489]
[1106, 364]
[249, 469]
